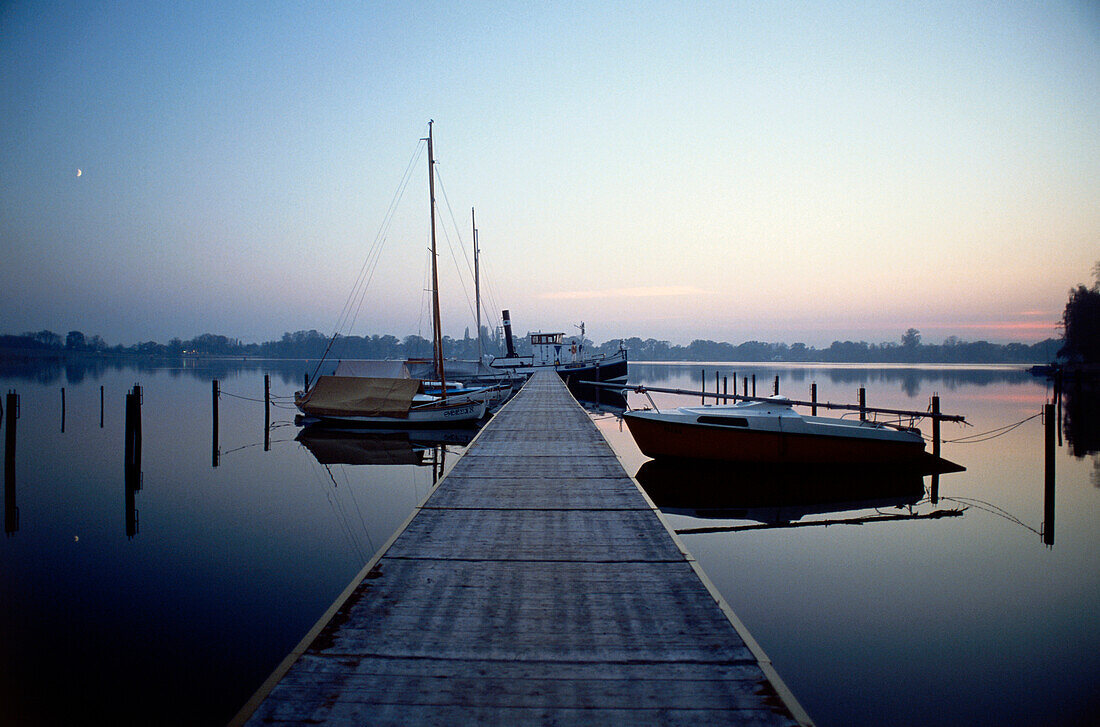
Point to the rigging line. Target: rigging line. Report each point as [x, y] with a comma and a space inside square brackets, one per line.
[425, 288]
[462, 246]
[342, 516]
[393, 208]
[362, 520]
[454, 223]
[359, 288]
[992, 510]
[383, 230]
[465, 292]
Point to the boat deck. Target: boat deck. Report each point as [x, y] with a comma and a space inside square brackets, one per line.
[535, 584]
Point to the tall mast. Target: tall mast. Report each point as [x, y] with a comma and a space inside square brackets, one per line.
[436, 325]
[477, 285]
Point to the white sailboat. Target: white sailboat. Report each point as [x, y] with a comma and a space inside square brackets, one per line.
[396, 401]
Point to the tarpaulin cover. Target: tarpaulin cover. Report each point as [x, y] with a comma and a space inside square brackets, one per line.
[359, 396]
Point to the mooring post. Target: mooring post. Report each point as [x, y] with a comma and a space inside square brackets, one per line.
[1050, 422]
[128, 441]
[936, 425]
[754, 384]
[862, 404]
[100, 407]
[717, 400]
[215, 392]
[62, 409]
[745, 386]
[725, 390]
[775, 387]
[703, 379]
[267, 412]
[813, 399]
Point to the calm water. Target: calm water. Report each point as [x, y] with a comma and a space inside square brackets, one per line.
[171, 604]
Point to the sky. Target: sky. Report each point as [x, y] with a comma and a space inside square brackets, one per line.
[672, 170]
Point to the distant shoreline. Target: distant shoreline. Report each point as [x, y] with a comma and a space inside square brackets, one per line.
[41, 354]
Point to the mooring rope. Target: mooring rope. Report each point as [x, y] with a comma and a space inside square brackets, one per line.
[992, 433]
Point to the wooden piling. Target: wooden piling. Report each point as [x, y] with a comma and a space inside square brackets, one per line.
[754, 384]
[935, 425]
[1050, 423]
[100, 407]
[716, 388]
[775, 387]
[862, 404]
[703, 386]
[745, 386]
[813, 398]
[725, 390]
[62, 409]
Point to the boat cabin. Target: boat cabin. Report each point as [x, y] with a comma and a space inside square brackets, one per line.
[551, 349]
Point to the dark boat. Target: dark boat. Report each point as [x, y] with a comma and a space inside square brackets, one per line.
[770, 431]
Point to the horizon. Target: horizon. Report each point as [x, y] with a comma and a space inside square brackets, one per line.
[730, 172]
[924, 341]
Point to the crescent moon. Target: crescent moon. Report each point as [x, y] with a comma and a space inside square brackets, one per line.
[78, 172]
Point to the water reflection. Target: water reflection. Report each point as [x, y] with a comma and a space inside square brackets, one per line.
[132, 458]
[79, 368]
[374, 447]
[782, 495]
[910, 380]
[1080, 402]
[11, 510]
[599, 400]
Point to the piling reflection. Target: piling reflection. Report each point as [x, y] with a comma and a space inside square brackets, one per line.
[11, 510]
[132, 458]
[782, 495]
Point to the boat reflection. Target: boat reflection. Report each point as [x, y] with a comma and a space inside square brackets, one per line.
[781, 495]
[380, 447]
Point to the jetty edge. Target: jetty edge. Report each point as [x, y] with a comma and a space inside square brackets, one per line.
[535, 582]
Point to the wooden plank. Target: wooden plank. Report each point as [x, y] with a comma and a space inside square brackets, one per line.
[336, 712]
[535, 585]
[535, 535]
[597, 493]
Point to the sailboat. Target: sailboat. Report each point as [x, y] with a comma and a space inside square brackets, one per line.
[395, 401]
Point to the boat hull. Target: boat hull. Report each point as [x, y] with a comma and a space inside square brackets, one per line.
[457, 415]
[659, 438]
[612, 368]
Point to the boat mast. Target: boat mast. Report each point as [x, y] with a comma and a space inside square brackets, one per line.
[477, 286]
[436, 325]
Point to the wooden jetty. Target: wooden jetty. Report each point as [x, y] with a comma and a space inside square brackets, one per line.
[536, 584]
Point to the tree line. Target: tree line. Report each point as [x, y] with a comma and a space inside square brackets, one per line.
[312, 344]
